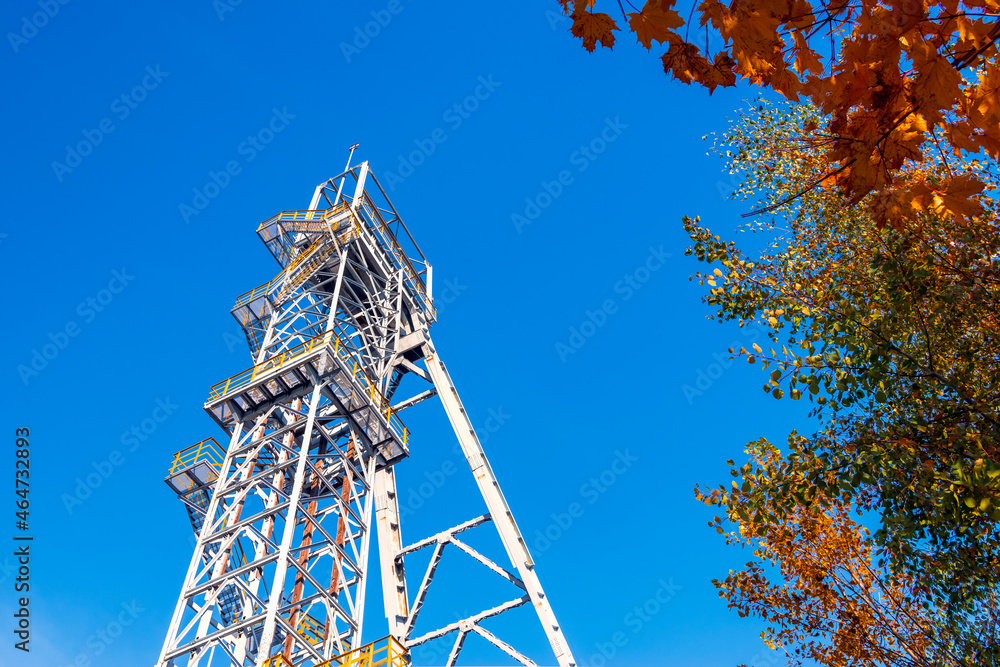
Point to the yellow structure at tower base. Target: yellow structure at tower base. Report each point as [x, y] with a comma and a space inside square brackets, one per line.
[385, 652]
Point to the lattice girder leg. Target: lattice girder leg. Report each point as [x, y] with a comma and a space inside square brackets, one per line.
[499, 515]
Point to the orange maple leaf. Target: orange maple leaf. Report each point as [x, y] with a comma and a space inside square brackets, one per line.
[986, 98]
[938, 83]
[785, 82]
[960, 136]
[685, 62]
[959, 197]
[592, 28]
[656, 21]
[715, 12]
[720, 73]
[805, 58]
[890, 207]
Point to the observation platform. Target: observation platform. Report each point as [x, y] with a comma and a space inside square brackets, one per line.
[196, 467]
[193, 474]
[294, 373]
[302, 242]
[253, 309]
[380, 247]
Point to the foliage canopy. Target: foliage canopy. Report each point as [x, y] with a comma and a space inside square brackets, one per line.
[894, 336]
[892, 79]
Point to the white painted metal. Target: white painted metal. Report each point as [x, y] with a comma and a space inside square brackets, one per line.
[310, 461]
[389, 544]
[278, 583]
[359, 189]
[502, 517]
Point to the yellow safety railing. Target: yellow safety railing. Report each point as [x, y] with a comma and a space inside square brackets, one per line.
[315, 259]
[269, 231]
[311, 628]
[247, 377]
[208, 450]
[266, 288]
[395, 249]
[277, 661]
[385, 652]
[303, 256]
[308, 254]
[242, 311]
[315, 214]
[312, 214]
[373, 393]
[255, 293]
[352, 233]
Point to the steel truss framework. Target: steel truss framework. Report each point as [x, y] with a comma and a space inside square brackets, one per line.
[284, 521]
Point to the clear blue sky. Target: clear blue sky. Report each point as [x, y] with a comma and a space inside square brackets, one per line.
[162, 95]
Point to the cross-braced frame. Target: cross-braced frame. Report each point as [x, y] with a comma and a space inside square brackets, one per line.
[284, 518]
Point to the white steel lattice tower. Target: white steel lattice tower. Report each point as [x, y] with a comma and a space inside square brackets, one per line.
[284, 514]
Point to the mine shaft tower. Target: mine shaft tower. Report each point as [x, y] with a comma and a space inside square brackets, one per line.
[284, 514]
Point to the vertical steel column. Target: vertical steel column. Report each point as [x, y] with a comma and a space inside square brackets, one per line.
[291, 516]
[390, 542]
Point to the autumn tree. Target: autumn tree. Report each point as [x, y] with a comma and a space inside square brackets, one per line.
[833, 603]
[890, 79]
[893, 335]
